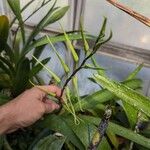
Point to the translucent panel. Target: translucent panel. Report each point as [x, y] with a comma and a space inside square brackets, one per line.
[2, 11]
[40, 14]
[126, 30]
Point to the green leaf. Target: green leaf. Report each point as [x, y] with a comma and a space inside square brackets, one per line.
[81, 130]
[4, 30]
[112, 137]
[65, 67]
[58, 14]
[131, 112]
[1, 141]
[41, 24]
[104, 95]
[15, 7]
[58, 124]
[50, 142]
[70, 46]
[76, 87]
[101, 42]
[88, 66]
[22, 77]
[37, 68]
[54, 39]
[86, 45]
[53, 15]
[104, 145]
[9, 53]
[135, 72]
[16, 46]
[103, 30]
[48, 70]
[3, 99]
[26, 6]
[5, 81]
[125, 93]
[37, 53]
[121, 131]
[6, 62]
[5, 68]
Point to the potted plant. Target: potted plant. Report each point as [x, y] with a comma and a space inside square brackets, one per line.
[94, 121]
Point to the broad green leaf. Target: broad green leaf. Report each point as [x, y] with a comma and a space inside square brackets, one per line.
[85, 43]
[21, 78]
[70, 46]
[45, 132]
[50, 142]
[104, 145]
[64, 65]
[58, 124]
[15, 7]
[54, 39]
[121, 131]
[104, 95]
[48, 70]
[4, 29]
[127, 94]
[37, 68]
[112, 137]
[131, 112]
[81, 130]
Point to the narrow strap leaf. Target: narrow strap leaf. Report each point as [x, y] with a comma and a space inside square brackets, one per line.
[65, 67]
[48, 70]
[86, 45]
[70, 46]
[135, 72]
[75, 82]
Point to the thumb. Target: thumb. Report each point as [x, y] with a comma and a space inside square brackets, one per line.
[50, 106]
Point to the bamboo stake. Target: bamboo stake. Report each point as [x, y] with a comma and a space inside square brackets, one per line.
[136, 15]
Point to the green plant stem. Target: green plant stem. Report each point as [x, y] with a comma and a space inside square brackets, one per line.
[76, 70]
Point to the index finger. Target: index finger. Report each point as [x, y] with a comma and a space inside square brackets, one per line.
[53, 90]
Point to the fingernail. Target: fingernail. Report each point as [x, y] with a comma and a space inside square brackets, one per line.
[57, 106]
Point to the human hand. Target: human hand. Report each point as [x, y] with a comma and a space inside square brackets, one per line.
[27, 108]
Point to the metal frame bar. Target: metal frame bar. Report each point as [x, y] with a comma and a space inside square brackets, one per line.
[117, 50]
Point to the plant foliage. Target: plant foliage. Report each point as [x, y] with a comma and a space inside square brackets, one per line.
[83, 122]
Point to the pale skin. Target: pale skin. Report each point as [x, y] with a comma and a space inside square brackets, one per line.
[27, 108]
